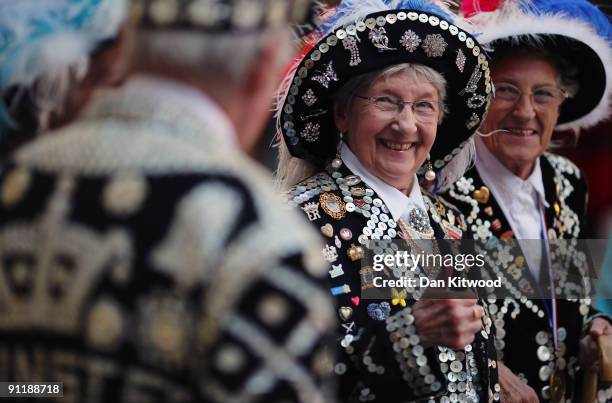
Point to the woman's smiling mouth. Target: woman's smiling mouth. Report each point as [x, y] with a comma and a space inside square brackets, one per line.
[520, 132]
[397, 146]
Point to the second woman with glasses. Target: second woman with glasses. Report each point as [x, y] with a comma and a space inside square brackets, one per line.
[552, 70]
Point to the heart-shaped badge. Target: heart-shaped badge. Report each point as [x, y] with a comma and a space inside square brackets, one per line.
[355, 301]
[327, 230]
[482, 195]
[345, 313]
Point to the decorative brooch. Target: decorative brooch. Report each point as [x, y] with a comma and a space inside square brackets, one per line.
[410, 41]
[380, 40]
[332, 205]
[434, 45]
[325, 77]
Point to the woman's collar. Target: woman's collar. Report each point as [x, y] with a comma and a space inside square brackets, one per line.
[394, 199]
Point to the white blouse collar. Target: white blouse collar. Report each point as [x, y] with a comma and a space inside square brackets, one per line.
[394, 199]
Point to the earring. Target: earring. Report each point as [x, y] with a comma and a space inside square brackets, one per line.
[337, 162]
[430, 174]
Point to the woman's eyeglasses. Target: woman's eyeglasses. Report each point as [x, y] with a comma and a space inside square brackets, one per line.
[424, 110]
[542, 98]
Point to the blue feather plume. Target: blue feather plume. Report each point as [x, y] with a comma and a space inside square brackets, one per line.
[575, 9]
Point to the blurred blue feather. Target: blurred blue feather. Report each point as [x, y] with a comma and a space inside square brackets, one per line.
[25, 25]
[576, 9]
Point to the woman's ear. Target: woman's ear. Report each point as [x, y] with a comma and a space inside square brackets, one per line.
[341, 117]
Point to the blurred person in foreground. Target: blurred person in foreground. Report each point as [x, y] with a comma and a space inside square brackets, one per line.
[144, 256]
[552, 69]
[387, 87]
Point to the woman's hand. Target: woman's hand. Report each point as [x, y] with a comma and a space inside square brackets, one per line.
[513, 389]
[447, 322]
[588, 344]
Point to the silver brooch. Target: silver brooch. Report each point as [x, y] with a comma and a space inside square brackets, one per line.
[312, 210]
[460, 61]
[350, 44]
[309, 97]
[472, 122]
[434, 45]
[410, 41]
[476, 101]
[313, 114]
[380, 40]
[418, 220]
[329, 253]
[311, 132]
[327, 76]
[472, 84]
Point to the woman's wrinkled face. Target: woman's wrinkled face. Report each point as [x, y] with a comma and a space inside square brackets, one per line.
[530, 123]
[391, 145]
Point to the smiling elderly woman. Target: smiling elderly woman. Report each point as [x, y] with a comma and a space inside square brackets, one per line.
[385, 95]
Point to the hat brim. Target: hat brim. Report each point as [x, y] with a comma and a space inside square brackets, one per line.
[572, 40]
[306, 119]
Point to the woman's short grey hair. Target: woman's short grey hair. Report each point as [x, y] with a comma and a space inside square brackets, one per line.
[419, 72]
